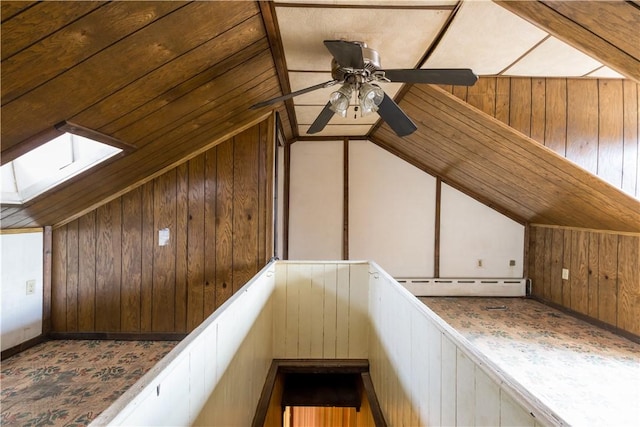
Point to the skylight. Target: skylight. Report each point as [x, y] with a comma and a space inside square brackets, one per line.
[49, 165]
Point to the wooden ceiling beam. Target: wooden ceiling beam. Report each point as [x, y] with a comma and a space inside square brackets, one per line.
[268, 10]
[606, 31]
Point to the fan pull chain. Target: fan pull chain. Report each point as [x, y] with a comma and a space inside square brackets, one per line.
[355, 100]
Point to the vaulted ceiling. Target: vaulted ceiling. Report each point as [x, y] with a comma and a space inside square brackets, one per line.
[480, 35]
[171, 79]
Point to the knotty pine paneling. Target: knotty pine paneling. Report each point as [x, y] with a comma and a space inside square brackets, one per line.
[592, 122]
[109, 273]
[604, 273]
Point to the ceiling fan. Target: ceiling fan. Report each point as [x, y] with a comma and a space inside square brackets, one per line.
[357, 68]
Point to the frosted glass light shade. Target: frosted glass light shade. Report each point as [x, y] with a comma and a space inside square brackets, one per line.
[340, 100]
[370, 96]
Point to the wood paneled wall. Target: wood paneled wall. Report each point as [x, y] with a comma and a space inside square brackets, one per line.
[109, 273]
[604, 273]
[592, 122]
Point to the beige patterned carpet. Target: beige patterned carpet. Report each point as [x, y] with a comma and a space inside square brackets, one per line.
[68, 383]
[587, 375]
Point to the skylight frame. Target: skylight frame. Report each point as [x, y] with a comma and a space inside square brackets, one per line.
[109, 148]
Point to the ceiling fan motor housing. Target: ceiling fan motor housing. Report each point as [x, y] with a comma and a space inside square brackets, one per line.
[357, 68]
[371, 63]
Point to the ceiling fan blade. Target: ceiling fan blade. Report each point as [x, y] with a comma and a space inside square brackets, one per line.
[395, 117]
[347, 54]
[451, 76]
[292, 94]
[322, 119]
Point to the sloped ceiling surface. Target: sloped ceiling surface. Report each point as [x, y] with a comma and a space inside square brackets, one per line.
[170, 79]
[481, 35]
[606, 30]
[503, 168]
[167, 78]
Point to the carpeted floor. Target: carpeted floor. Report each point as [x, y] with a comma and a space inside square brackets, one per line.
[68, 383]
[589, 376]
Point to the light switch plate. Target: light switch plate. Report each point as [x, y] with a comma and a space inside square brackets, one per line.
[31, 287]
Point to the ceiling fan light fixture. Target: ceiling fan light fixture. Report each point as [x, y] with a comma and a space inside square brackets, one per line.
[358, 68]
[339, 100]
[369, 96]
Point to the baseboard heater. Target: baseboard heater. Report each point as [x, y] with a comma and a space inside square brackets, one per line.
[465, 287]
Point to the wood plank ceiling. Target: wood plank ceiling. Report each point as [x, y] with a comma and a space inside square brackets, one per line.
[168, 78]
[171, 79]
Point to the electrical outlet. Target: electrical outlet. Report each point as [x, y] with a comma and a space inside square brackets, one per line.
[479, 263]
[31, 287]
[565, 274]
[512, 263]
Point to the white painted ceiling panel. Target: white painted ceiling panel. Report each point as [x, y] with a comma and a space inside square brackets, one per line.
[554, 58]
[301, 80]
[338, 130]
[606, 73]
[304, 29]
[374, 3]
[306, 114]
[484, 37]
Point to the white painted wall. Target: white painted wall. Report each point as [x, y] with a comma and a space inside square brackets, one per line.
[316, 201]
[471, 231]
[21, 260]
[423, 371]
[214, 377]
[391, 211]
[320, 310]
[392, 216]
